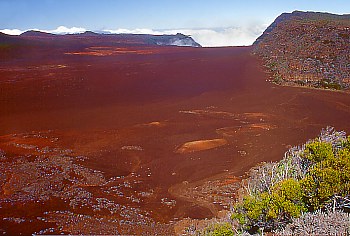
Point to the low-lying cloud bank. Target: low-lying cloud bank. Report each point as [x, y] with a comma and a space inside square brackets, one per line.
[58, 30]
[214, 37]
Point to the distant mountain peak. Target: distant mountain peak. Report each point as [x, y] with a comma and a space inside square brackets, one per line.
[36, 33]
[89, 33]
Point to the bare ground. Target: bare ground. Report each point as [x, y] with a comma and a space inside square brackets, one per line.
[88, 140]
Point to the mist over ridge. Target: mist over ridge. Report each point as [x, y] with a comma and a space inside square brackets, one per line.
[207, 37]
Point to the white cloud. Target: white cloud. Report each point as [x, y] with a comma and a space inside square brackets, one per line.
[232, 36]
[11, 31]
[221, 37]
[135, 31]
[65, 30]
[58, 30]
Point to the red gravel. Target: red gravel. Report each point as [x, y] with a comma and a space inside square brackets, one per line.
[120, 119]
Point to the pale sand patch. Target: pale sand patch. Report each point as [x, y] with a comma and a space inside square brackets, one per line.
[263, 126]
[231, 131]
[110, 51]
[200, 145]
[208, 113]
[255, 114]
[153, 124]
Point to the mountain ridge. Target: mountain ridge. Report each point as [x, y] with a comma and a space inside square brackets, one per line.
[307, 49]
[297, 14]
[146, 39]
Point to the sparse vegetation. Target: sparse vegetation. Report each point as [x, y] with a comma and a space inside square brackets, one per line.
[219, 229]
[329, 84]
[318, 223]
[277, 78]
[307, 192]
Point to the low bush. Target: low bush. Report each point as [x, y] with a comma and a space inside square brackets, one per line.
[318, 223]
[219, 229]
[313, 177]
[267, 211]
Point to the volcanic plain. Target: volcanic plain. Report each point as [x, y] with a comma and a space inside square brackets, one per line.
[130, 139]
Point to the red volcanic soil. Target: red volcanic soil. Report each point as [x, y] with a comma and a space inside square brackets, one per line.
[128, 140]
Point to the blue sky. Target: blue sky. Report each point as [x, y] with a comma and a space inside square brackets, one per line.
[154, 14]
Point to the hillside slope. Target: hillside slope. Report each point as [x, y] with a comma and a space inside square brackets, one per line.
[35, 42]
[308, 49]
[127, 39]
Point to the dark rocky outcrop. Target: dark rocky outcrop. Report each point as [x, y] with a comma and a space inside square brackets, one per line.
[175, 40]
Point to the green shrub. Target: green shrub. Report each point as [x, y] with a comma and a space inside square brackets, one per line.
[288, 196]
[346, 144]
[316, 151]
[314, 176]
[277, 78]
[267, 210]
[329, 84]
[219, 229]
[327, 178]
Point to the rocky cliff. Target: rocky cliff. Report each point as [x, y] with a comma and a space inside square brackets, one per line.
[307, 49]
